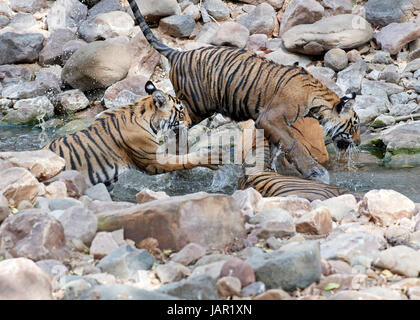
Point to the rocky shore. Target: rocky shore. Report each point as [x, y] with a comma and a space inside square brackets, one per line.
[69, 60]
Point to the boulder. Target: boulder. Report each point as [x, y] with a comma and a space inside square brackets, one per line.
[179, 26]
[144, 59]
[400, 259]
[29, 6]
[29, 111]
[344, 31]
[153, 11]
[301, 12]
[53, 49]
[71, 101]
[104, 6]
[20, 48]
[189, 254]
[384, 12]
[259, 20]
[350, 79]
[217, 9]
[66, 14]
[231, 34]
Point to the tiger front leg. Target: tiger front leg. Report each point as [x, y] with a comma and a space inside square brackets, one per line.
[280, 134]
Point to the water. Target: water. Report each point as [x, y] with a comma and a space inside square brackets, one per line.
[363, 174]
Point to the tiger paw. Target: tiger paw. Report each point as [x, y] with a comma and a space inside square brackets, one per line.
[319, 174]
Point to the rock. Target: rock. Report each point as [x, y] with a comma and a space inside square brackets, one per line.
[350, 79]
[153, 11]
[144, 58]
[400, 259]
[171, 272]
[247, 200]
[98, 64]
[147, 195]
[231, 34]
[22, 21]
[380, 88]
[206, 219]
[412, 66]
[180, 26]
[381, 56]
[279, 227]
[53, 267]
[32, 234]
[74, 180]
[257, 42]
[43, 164]
[274, 294]
[259, 20]
[197, 288]
[120, 292]
[106, 25]
[66, 14]
[228, 286]
[254, 289]
[125, 91]
[344, 31]
[15, 47]
[193, 11]
[353, 295]
[189, 254]
[98, 192]
[29, 111]
[56, 189]
[336, 59]
[301, 12]
[104, 6]
[390, 74]
[22, 279]
[334, 7]
[403, 109]
[294, 205]
[71, 101]
[386, 207]
[125, 261]
[62, 203]
[18, 184]
[102, 244]
[217, 9]
[207, 32]
[4, 208]
[4, 21]
[292, 266]
[346, 246]
[29, 6]
[317, 221]
[53, 49]
[212, 270]
[395, 36]
[69, 48]
[239, 269]
[384, 12]
[340, 206]
[285, 58]
[79, 223]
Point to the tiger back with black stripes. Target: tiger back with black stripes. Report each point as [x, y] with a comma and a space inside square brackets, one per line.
[128, 137]
[242, 85]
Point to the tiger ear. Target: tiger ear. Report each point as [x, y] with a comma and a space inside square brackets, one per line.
[149, 87]
[339, 106]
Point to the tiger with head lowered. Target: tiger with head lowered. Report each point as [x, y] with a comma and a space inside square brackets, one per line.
[128, 137]
[241, 85]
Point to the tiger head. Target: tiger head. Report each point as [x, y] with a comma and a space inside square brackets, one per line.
[168, 112]
[339, 120]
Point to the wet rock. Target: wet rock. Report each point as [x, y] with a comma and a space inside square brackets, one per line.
[259, 20]
[78, 223]
[384, 12]
[29, 111]
[32, 234]
[228, 286]
[317, 221]
[98, 64]
[239, 269]
[171, 272]
[400, 259]
[336, 59]
[180, 26]
[301, 12]
[21, 48]
[53, 267]
[283, 57]
[344, 31]
[197, 288]
[153, 11]
[22, 279]
[102, 244]
[294, 265]
[71, 101]
[98, 192]
[66, 14]
[105, 26]
[147, 195]
[274, 294]
[395, 36]
[231, 34]
[347, 245]
[125, 91]
[386, 206]
[18, 184]
[350, 79]
[74, 180]
[121, 292]
[125, 261]
[104, 6]
[189, 254]
[53, 49]
[209, 220]
[217, 9]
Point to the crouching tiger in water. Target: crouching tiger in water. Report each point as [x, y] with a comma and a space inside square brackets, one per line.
[127, 137]
[242, 85]
[271, 184]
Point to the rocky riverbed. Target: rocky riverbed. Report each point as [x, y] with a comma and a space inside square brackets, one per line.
[63, 62]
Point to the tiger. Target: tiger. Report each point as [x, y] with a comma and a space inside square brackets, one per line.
[271, 184]
[128, 137]
[242, 85]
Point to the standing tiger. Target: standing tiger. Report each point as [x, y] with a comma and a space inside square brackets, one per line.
[242, 85]
[128, 137]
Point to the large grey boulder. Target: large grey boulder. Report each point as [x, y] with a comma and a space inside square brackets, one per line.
[20, 48]
[259, 20]
[301, 12]
[384, 12]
